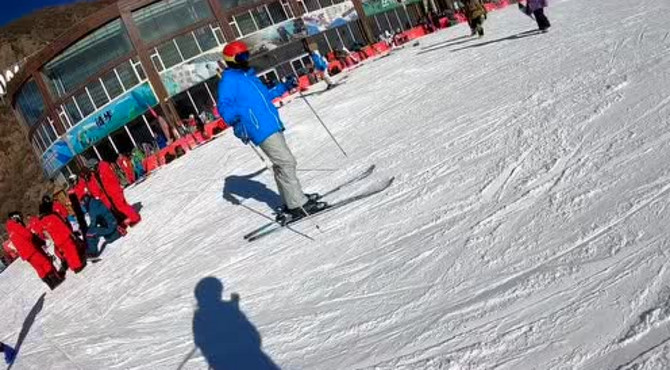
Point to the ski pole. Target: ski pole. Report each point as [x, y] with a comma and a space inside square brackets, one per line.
[322, 124]
[271, 219]
[259, 155]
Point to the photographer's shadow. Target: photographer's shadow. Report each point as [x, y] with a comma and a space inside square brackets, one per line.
[223, 334]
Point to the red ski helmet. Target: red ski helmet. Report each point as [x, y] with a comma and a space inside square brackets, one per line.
[236, 52]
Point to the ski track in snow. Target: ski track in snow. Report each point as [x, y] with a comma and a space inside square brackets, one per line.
[527, 227]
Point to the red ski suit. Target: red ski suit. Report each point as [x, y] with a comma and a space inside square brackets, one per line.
[22, 239]
[60, 210]
[127, 168]
[96, 192]
[79, 189]
[113, 188]
[63, 240]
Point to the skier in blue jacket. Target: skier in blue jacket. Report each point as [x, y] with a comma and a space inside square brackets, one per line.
[321, 65]
[103, 225]
[245, 103]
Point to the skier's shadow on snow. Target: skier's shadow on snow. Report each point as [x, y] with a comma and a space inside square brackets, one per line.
[28, 323]
[223, 333]
[443, 44]
[517, 36]
[238, 188]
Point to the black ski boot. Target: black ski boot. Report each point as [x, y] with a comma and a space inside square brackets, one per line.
[53, 280]
[309, 208]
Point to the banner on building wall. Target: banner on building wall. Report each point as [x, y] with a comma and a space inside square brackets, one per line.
[187, 75]
[56, 157]
[115, 115]
[309, 24]
[330, 17]
[372, 7]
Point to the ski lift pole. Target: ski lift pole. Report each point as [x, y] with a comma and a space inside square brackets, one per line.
[304, 98]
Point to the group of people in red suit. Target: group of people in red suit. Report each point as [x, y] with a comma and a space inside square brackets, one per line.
[107, 215]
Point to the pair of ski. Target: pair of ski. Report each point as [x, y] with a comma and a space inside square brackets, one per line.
[272, 227]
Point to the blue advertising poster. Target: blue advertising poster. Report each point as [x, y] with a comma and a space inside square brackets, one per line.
[97, 126]
[57, 156]
[112, 117]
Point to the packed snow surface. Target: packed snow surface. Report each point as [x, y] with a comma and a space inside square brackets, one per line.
[528, 226]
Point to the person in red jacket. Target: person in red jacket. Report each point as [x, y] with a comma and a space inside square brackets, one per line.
[60, 209]
[65, 243]
[94, 187]
[77, 186]
[112, 187]
[29, 251]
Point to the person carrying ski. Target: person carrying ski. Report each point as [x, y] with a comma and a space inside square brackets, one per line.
[246, 104]
[102, 225]
[30, 251]
[475, 12]
[65, 243]
[536, 7]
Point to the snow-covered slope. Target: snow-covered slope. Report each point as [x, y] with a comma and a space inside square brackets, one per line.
[527, 228]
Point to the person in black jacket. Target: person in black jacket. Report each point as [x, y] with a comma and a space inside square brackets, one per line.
[102, 225]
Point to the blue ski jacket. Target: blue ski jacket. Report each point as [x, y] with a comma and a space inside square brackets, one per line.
[103, 222]
[319, 63]
[246, 104]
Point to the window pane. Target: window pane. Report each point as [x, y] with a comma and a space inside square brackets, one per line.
[29, 101]
[230, 4]
[206, 38]
[200, 97]
[72, 111]
[97, 93]
[112, 84]
[48, 131]
[187, 45]
[157, 63]
[312, 5]
[236, 31]
[219, 35]
[325, 3]
[140, 71]
[277, 12]
[85, 104]
[262, 17]
[245, 23]
[393, 18]
[169, 54]
[127, 75]
[168, 17]
[85, 58]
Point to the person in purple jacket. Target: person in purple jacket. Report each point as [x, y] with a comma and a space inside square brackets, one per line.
[536, 7]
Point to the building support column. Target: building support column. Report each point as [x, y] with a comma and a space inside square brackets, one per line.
[223, 18]
[365, 21]
[169, 111]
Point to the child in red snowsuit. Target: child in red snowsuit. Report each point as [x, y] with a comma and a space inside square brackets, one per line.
[31, 252]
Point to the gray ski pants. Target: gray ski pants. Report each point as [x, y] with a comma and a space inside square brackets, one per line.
[284, 167]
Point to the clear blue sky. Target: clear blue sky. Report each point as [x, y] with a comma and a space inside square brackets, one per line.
[14, 9]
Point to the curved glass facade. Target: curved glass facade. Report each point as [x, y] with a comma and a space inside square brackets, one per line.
[100, 91]
[30, 103]
[87, 57]
[165, 18]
